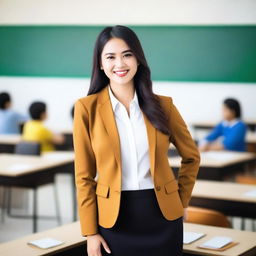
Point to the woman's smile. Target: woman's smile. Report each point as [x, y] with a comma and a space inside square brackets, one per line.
[121, 73]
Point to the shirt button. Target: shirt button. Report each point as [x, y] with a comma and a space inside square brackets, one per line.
[158, 188]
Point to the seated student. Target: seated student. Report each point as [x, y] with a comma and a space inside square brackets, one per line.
[34, 130]
[230, 133]
[10, 120]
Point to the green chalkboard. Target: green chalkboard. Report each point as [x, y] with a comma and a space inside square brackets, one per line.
[174, 53]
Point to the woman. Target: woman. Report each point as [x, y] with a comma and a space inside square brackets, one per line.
[228, 134]
[128, 198]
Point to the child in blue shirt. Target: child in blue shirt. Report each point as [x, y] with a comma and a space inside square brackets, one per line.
[9, 120]
[229, 134]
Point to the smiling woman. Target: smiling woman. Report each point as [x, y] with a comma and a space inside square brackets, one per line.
[122, 132]
[119, 63]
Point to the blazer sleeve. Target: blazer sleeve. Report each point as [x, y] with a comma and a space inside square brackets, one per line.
[85, 171]
[187, 149]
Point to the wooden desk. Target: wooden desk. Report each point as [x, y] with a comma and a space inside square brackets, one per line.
[210, 124]
[70, 233]
[68, 144]
[75, 244]
[8, 142]
[34, 171]
[227, 197]
[246, 246]
[200, 134]
[216, 165]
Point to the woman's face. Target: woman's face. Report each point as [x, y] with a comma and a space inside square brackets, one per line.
[118, 62]
[227, 113]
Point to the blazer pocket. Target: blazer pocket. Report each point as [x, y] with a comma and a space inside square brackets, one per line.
[102, 190]
[171, 186]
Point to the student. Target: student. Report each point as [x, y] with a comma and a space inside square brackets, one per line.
[10, 120]
[230, 133]
[122, 132]
[34, 130]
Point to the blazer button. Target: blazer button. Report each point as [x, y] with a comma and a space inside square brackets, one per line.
[158, 188]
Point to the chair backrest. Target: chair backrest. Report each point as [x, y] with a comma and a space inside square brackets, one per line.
[245, 179]
[28, 148]
[207, 217]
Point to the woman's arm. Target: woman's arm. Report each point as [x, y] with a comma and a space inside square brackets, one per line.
[187, 149]
[85, 171]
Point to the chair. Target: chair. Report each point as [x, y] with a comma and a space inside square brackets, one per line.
[31, 148]
[28, 148]
[250, 180]
[207, 217]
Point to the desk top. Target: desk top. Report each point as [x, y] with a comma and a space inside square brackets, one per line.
[201, 133]
[223, 190]
[246, 240]
[11, 139]
[71, 234]
[217, 159]
[212, 123]
[16, 165]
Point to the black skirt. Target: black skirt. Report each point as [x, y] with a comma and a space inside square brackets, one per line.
[141, 229]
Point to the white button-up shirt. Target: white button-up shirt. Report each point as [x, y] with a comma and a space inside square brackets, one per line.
[134, 144]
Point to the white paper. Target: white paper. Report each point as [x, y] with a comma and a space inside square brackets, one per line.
[45, 242]
[251, 193]
[217, 242]
[189, 237]
[219, 155]
[18, 167]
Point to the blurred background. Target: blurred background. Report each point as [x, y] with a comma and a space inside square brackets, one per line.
[200, 53]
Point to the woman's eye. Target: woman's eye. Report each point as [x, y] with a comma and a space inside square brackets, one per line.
[110, 57]
[128, 55]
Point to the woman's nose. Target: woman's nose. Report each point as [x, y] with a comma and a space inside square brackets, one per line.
[119, 62]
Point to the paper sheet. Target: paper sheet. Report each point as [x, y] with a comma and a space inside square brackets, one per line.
[217, 242]
[251, 193]
[219, 155]
[18, 167]
[189, 237]
[45, 243]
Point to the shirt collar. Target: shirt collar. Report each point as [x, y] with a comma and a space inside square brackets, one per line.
[231, 123]
[115, 101]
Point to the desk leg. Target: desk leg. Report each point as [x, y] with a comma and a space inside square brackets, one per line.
[57, 205]
[73, 187]
[34, 210]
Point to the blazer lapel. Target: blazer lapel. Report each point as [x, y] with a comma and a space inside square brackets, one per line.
[108, 119]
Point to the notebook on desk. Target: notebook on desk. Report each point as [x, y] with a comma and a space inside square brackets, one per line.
[218, 243]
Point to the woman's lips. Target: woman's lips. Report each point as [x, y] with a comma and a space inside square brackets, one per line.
[121, 73]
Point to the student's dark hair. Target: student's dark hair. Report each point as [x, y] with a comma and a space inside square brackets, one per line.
[148, 101]
[36, 109]
[4, 98]
[233, 105]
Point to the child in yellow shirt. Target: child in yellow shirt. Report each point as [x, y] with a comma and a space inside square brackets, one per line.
[34, 130]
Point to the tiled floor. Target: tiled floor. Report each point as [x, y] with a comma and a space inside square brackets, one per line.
[13, 228]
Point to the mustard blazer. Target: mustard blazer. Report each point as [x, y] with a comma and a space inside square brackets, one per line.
[98, 162]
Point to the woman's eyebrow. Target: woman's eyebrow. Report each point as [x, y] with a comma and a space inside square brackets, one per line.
[121, 52]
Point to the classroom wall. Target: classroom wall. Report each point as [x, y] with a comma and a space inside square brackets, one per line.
[130, 12]
[196, 100]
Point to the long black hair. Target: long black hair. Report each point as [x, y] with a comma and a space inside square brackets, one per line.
[148, 101]
[233, 105]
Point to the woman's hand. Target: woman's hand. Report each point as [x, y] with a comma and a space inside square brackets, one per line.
[185, 214]
[94, 245]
